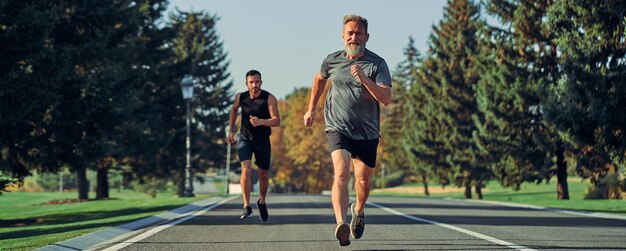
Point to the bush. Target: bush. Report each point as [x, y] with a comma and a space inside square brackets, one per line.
[394, 179]
[150, 186]
[609, 187]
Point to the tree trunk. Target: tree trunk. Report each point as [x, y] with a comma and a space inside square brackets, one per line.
[562, 192]
[479, 191]
[82, 183]
[425, 180]
[102, 186]
[468, 191]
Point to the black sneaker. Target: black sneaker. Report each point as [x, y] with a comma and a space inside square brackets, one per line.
[247, 212]
[342, 232]
[262, 211]
[357, 225]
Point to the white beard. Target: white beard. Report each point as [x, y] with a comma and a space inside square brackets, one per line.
[354, 51]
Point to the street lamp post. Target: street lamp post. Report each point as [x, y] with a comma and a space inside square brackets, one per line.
[186, 85]
[227, 168]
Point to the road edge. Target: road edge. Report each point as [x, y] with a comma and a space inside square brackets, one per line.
[99, 238]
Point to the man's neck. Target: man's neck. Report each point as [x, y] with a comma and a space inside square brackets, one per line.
[355, 56]
[254, 95]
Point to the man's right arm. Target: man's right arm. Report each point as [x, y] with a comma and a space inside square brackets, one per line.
[232, 118]
[316, 91]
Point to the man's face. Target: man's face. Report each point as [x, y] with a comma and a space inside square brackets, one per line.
[254, 83]
[354, 38]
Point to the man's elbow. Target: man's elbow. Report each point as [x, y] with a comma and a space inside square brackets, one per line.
[276, 122]
[385, 102]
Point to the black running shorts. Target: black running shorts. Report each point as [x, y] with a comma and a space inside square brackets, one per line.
[260, 148]
[363, 149]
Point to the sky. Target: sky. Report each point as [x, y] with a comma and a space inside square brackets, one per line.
[287, 40]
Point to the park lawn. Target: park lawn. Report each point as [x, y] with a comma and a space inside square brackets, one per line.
[543, 195]
[26, 224]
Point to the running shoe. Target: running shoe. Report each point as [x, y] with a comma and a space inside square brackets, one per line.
[247, 212]
[262, 211]
[342, 232]
[357, 224]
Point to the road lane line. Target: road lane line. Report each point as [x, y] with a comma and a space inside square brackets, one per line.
[458, 229]
[160, 228]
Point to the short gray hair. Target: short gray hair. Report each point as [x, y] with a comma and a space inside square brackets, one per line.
[355, 18]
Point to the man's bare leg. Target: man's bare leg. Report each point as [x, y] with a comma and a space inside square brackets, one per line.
[263, 184]
[245, 182]
[363, 180]
[341, 177]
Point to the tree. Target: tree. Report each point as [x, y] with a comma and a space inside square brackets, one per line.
[282, 166]
[528, 64]
[394, 157]
[449, 76]
[587, 104]
[308, 148]
[189, 44]
[31, 73]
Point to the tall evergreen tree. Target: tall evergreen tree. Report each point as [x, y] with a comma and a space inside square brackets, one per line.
[394, 157]
[525, 144]
[31, 73]
[189, 44]
[449, 75]
[588, 103]
[199, 47]
[509, 131]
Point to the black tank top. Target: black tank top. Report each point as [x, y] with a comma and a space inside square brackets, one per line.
[254, 107]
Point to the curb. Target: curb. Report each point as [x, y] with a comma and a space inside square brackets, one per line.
[103, 236]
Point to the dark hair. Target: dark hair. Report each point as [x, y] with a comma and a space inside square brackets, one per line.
[252, 72]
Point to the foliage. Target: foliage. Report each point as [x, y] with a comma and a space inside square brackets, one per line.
[308, 148]
[393, 156]
[587, 104]
[391, 180]
[282, 167]
[443, 128]
[31, 73]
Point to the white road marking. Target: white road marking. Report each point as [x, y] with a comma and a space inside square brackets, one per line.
[157, 229]
[458, 229]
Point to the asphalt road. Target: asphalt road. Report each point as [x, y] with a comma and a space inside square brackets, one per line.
[306, 222]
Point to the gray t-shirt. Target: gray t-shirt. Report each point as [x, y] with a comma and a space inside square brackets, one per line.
[350, 109]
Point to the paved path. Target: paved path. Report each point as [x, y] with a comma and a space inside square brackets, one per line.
[305, 222]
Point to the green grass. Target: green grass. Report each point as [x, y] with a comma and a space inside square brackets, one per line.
[532, 194]
[25, 224]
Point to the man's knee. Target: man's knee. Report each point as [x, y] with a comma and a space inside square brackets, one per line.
[263, 174]
[246, 168]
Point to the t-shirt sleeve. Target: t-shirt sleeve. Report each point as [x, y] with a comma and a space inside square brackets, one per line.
[382, 74]
[324, 69]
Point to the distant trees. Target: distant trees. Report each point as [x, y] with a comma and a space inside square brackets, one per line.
[96, 85]
[312, 169]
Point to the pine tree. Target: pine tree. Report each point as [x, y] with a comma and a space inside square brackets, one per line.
[507, 130]
[449, 76]
[394, 157]
[588, 103]
[31, 72]
[188, 45]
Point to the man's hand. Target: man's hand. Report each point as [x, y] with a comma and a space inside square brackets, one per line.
[255, 121]
[357, 72]
[309, 116]
[231, 138]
